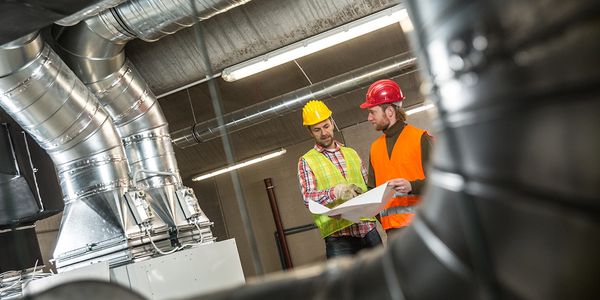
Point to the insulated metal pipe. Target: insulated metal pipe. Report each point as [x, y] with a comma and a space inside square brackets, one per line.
[292, 101]
[151, 20]
[88, 12]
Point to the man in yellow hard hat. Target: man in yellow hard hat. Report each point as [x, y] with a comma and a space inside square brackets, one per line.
[330, 174]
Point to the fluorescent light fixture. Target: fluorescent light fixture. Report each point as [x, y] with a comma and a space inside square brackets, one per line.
[406, 24]
[419, 109]
[317, 43]
[240, 165]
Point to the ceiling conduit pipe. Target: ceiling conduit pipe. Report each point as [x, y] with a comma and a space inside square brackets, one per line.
[94, 50]
[292, 101]
[511, 209]
[47, 100]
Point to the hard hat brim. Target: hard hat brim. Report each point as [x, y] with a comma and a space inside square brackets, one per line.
[369, 105]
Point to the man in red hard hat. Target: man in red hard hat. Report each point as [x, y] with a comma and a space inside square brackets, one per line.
[398, 156]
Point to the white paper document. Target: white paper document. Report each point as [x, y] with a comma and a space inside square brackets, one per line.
[365, 205]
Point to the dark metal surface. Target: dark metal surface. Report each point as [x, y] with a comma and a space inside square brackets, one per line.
[23, 17]
[19, 200]
[20, 249]
[8, 161]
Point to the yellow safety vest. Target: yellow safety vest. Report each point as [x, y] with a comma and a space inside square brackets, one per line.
[327, 176]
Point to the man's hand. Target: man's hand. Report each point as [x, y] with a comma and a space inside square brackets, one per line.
[346, 191]
[356, 189]
[401, 185]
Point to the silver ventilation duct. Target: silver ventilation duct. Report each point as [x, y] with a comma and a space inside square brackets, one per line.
[44, 96]
[292, 101]
[88, 12]
[150, 20]
[154, 19]
[145, 133]
[94, 50]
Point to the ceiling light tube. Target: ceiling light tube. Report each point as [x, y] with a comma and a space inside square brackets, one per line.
[316, 43]
[240, 165]
[419, 109]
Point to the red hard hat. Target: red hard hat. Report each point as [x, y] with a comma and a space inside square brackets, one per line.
[382, 92]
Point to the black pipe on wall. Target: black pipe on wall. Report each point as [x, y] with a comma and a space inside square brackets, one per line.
[287, 257]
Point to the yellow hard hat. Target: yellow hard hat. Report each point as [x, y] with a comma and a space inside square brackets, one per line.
[315, 111]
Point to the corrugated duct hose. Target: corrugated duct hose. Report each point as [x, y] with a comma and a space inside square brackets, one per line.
[512, 209]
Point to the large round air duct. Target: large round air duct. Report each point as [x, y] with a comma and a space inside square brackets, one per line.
[50, 103]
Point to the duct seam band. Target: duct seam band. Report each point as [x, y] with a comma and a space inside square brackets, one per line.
[96, 189]
[134, 139]
[72, 168]
[157, 182]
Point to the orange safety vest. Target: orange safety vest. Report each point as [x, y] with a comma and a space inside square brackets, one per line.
[404, 163]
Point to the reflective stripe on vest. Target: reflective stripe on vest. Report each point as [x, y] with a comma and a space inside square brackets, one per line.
[398, 210]
[327, 175]
[405, 162]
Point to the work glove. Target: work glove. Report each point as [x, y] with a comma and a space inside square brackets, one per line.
[346, 191]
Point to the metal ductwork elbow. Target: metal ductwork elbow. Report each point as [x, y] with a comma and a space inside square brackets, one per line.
[93, 49]
[47, 100]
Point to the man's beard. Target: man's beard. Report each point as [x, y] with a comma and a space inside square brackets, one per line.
[382, 126]
[325, 143]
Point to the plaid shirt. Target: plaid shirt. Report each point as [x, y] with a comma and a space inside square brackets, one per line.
[308, 186]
